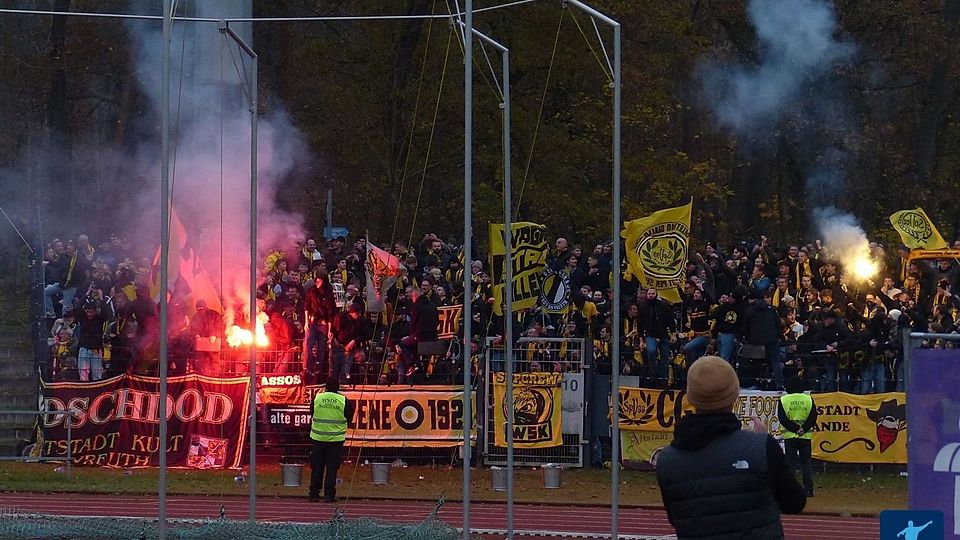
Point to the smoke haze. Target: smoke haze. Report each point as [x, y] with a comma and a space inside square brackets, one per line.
[793, 91]
[796, 44]
[210, 146]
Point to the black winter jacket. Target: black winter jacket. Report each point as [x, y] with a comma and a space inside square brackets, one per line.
[719, 482]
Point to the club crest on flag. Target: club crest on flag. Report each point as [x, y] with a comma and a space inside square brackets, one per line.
[916, 230]
[663, 255]
[555, 290]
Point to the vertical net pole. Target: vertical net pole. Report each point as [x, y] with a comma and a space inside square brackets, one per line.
[253, 287]
[164, 260]
[468, 253]
[615, 375]
[508, 284]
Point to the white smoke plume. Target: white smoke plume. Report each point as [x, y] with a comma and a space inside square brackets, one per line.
[797, 43]
[846, 242]
[792, 88]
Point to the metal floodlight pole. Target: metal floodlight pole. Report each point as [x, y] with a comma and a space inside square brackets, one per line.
[507, 265]
[252, 395]
[508, 259]
[508, 281]
[164, 259]
[467, 253]
[615, 334]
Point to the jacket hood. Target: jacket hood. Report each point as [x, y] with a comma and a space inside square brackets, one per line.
[695, 431]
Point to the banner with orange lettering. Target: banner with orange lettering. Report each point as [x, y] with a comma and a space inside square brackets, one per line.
[117, 421]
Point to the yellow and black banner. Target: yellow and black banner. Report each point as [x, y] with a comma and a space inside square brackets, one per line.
[414, 416]
[650, 410]
[537, 408]
[656, 249]
[529, 255]
[861, 429]
[850, 428]
[916, 230]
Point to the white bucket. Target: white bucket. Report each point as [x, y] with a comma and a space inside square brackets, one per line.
[551, 475]
[498, 479]
[380, 473]
[292, 474]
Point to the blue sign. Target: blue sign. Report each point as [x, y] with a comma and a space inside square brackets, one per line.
[911, 525]
[933, 443]
[333, 232]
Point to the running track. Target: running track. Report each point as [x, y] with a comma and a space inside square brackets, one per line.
[487, 518]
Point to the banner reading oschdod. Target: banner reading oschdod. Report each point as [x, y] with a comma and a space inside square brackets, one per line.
[645, 409]
[529, 254]
[657, 249]
[537, 408]
[855, 428]
[391, 416]
[118, 421]
[934, 417]
[916, 230]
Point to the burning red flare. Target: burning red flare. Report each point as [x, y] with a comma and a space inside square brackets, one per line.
[238, 337]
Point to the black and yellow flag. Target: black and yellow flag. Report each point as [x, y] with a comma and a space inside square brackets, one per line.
[528, 245]
[536, 409]
[656, 249]
[916, 230]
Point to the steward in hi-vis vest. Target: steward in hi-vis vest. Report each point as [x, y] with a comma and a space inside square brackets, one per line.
[329, 420]
[328, 431]
[798, 417]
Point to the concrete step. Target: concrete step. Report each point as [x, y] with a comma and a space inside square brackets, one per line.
[23, 401]
[10, 369]
[25, 380]
[17, 433]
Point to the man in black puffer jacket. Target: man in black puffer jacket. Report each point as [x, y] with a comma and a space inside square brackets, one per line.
[717, 481]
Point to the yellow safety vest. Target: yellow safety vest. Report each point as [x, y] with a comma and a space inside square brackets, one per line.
[329, 423]
[797, 407]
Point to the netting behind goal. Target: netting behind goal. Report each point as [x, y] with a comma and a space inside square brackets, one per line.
[28, 525]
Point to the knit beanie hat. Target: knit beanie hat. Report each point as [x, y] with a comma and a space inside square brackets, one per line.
[712, 385]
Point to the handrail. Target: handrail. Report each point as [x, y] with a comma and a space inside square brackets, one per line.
[73, 412]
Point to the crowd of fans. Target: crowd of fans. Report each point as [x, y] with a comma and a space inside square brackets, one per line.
[770, 311]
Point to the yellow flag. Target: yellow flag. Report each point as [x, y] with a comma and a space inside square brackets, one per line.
[528, 245]
[916, 230]
[537, 405]
[656, 249]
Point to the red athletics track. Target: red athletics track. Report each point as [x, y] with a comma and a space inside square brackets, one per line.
[544, 520]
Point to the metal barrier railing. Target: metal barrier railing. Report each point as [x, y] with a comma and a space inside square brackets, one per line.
[69, 457]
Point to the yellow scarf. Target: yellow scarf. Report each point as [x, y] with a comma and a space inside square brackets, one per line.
[803, 270]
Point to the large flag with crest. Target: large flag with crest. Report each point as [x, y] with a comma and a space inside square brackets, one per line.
[916, 230]
[656, 249]
[383, 269]
[187, 280]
